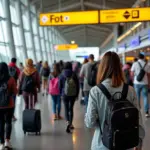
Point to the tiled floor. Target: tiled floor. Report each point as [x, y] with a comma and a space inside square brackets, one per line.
[53, 135]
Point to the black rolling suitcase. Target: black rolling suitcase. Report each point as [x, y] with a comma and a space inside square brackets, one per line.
[32, 121]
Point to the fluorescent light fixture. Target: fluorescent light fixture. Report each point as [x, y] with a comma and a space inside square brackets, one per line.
[72, 42]
[129, 31]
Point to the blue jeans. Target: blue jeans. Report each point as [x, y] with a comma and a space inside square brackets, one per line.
[86, 98]
[144, 89]
[56, 106]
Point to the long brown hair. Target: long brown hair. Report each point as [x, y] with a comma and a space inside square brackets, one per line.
[110, 67]
[56, 70]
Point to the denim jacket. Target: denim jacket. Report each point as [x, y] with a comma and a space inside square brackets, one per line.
[96, 110]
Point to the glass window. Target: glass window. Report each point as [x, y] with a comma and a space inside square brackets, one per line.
[25, 18]
[20, 55]
[36, 41]
[24, 2]
[50, 35]
[28, 40]
[34, 26]
[32, 8]
[45, 33]
[2, 11]
[13, 12]
[42, 44]
[30, 54]
[44, 55]
[4, 55]
[41, 31]
[47, 46]
[3, 31]
[16, 35]
[38, 56]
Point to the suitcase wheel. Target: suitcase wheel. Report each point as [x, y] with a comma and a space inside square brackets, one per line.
[24, 132]
[38, 133]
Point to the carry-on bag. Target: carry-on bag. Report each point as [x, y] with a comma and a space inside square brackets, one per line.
[32, 121]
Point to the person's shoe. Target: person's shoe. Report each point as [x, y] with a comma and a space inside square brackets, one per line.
[2, 147]
[72, 127]
[55, 117]
[8, 144]
[68, 128]
[60, 117]
[147, 115]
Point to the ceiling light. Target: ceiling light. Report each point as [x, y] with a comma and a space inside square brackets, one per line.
[72, 42]
[137, 6]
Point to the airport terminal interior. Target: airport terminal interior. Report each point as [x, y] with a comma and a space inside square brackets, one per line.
[70, 30]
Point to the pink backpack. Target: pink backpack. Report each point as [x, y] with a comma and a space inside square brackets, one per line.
[53, 86]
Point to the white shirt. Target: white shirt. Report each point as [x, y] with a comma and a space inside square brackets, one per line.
[136, 69]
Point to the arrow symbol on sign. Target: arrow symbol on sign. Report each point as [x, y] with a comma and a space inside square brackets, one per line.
[126, 14]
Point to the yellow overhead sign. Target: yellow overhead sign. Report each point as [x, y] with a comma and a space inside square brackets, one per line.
[66, 47]
[125, 15]
[69, 18]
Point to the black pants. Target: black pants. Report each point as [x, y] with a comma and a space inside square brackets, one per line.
[69, 105]
[5, 119]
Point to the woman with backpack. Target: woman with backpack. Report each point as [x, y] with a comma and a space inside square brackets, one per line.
[8, 88]
[29, 84]
[45, 72]
[54, 91]
[69, 89]
[113, 109]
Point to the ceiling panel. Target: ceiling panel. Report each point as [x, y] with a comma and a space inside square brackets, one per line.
[91, 35]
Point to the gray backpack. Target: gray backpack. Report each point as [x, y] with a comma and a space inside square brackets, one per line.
[70, 87]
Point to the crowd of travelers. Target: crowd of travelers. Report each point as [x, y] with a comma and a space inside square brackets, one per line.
[110, 91]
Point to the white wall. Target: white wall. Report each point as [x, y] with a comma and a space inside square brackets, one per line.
[84, 51]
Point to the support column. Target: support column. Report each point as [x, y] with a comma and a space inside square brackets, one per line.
[56, 41]
[45, 51]
[31, 30]
[115, 30]
[22, 36]
[39, 39]
[49, 47]
[9, 29]
[53, 43]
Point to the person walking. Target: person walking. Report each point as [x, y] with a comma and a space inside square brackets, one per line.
[21, 67]
[69, 89]
[111, 90]
[82, 84]
[8, 88]
[127, 72]
[45, 72]
[29, 84]
[14, 72]
[54, 91]
[142, 84]
[84, 73]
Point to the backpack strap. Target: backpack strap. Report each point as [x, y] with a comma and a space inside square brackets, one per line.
[105, 91]
[125, 91]
[141, 65]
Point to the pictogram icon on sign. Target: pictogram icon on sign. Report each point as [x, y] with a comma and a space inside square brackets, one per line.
[135, 14]
[44, 19]
[126, 14]
[66, 18]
